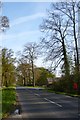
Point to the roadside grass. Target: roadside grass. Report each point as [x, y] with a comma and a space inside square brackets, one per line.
[53, 91]
[63, 93]
[0, 103]
[8, 100]
[35, 87]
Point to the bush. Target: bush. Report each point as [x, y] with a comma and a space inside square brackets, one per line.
[63, 85]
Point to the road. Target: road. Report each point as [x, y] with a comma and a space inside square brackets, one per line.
[37, 103]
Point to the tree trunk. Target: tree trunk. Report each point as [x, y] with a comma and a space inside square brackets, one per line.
[75, 39]
[24, 82]
[66, 64]
[33, 74]
[6, 83]
[29, 76]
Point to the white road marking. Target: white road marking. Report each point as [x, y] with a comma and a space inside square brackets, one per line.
[50, 101]
[68, 96]
[37, 94]
[53, 102]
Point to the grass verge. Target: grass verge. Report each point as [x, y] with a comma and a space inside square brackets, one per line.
[39, 87]
[63, 93]
[8, 101]
[0, 103]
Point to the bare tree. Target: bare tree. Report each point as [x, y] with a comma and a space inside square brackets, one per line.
[55, 31]
[70, 10]
[31, 52]
[23, 70]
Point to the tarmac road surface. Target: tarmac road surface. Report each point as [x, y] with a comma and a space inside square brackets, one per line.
[37, 103]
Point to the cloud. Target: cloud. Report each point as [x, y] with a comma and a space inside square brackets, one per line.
[37, 0]
[31, 0]
[26, 18]
[18, 36]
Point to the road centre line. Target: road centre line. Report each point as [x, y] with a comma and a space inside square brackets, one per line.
[53, 102]
[37, 94]
[50, 101]
[68, 96]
